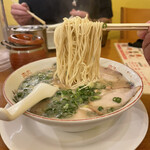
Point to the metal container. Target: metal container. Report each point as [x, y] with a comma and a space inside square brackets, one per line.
[50, 35]
[38, 30]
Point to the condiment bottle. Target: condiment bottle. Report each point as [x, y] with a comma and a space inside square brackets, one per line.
[28, 48]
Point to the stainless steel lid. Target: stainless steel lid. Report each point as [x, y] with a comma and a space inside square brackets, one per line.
[28, 28]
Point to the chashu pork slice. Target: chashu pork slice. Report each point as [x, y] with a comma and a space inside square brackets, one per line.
[106, 102]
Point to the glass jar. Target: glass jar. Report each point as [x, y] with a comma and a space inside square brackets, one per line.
[28, 48]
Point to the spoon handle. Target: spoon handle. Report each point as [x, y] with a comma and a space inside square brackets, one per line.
[40, 92]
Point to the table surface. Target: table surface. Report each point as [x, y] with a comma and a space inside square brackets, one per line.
[109, 52]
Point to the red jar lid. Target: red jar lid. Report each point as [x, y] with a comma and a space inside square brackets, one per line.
[25, 39]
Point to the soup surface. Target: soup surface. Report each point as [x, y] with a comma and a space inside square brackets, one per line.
[104, 96]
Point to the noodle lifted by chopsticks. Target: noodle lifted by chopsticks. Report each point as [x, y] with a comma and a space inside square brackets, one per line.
[78, 49]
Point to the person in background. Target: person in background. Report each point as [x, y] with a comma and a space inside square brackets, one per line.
[53, 11]
[145, 35]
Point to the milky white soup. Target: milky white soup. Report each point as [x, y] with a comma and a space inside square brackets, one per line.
[110, 93]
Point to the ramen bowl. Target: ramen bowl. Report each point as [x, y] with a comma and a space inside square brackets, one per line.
[14, 80]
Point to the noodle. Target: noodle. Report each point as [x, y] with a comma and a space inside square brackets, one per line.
[78, 49]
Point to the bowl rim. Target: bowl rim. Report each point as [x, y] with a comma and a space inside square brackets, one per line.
[107, 115]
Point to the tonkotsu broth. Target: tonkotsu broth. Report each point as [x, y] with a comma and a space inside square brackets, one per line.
[85, 90]
[110, 93]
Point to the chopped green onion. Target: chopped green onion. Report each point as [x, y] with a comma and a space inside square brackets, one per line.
[104, 25]
[95, 98]
[100, 108]
[117, 99]
[110, 110]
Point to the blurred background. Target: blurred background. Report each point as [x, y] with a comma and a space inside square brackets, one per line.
[116, 5]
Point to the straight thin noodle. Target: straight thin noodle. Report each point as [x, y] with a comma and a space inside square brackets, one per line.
[78, 48]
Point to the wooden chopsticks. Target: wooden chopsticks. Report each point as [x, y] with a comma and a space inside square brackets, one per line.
[32, 14]
[126, 26]
[36, 17]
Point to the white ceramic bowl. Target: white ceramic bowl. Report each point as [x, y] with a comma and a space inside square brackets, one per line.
[14, 80]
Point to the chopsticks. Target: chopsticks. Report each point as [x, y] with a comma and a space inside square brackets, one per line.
[125, 26]
[113, 26]
[32, 14]
[36, 17]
